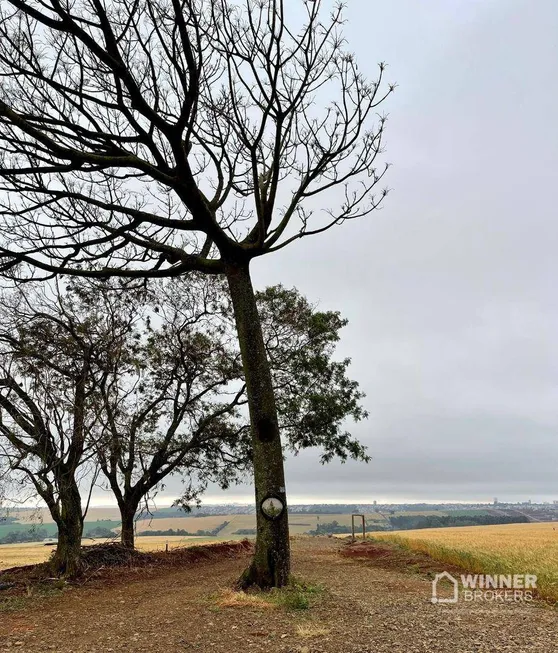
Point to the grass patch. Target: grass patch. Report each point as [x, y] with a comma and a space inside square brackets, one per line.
[13, 603]
[413, 568]
[292, 599]
[33, 593]
[297, 595]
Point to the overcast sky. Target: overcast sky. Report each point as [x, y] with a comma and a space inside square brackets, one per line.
[450, 289]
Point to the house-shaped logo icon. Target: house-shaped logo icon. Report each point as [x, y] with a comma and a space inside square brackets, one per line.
[444, 575]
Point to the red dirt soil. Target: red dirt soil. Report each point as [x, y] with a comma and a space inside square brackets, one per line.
[377, 604]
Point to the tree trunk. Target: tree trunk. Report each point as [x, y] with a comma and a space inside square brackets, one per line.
[127, 515]
[270, 566]
[67, 557]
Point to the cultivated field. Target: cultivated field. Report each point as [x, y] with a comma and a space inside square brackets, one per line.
[42, 515]
[503, 549]
[298, 523]
[523, 548]
[15, 555]
[12, 555]
[191, 524]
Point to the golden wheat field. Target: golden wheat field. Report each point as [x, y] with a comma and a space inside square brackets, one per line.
[503, 549]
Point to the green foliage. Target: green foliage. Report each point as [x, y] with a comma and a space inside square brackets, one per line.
[297, 595]
[411, 522]
[330, 528]
[294, 600]
[31, 532]
[470, 512]
[99, 532]
[335, 528]
[20, 537]
[13, 603]
[35, 593]
[314, 395]
[16, 532]
[165, 386]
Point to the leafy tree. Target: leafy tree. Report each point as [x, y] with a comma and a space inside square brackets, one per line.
[180, 409]
[153, 138]
[168, 385]
[19, 537]
[99, 532]
[47, 422]
[164, 396]
[165, 385]
[314, 395]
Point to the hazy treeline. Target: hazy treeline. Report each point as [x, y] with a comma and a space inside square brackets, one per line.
[411, 522]
[184, 533]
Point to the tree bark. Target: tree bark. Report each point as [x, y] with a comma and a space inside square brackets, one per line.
[270, 566]
[67, 557]
[127, 515]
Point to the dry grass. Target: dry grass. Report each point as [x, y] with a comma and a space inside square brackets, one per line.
[236, 522]
[158, 543]
[228, 598]
[368, 608]
[297, 595]
[503, 549]
[16, 555]
[309, 630]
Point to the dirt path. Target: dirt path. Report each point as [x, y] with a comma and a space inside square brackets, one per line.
[365, 608]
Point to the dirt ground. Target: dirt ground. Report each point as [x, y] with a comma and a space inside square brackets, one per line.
[375, 604]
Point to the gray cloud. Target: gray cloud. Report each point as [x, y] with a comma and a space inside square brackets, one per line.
[450, 289]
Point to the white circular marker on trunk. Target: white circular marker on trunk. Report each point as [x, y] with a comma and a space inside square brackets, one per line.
[272, 507]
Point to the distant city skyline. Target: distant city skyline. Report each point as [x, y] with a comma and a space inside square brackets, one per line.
[164, 501]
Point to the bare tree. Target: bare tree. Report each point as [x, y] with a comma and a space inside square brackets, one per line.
[155, 137]
[163, 390]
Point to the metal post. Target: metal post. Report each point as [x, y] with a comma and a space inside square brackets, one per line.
[353, 526]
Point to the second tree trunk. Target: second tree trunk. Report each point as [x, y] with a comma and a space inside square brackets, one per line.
[127, 515]
[67, 557]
